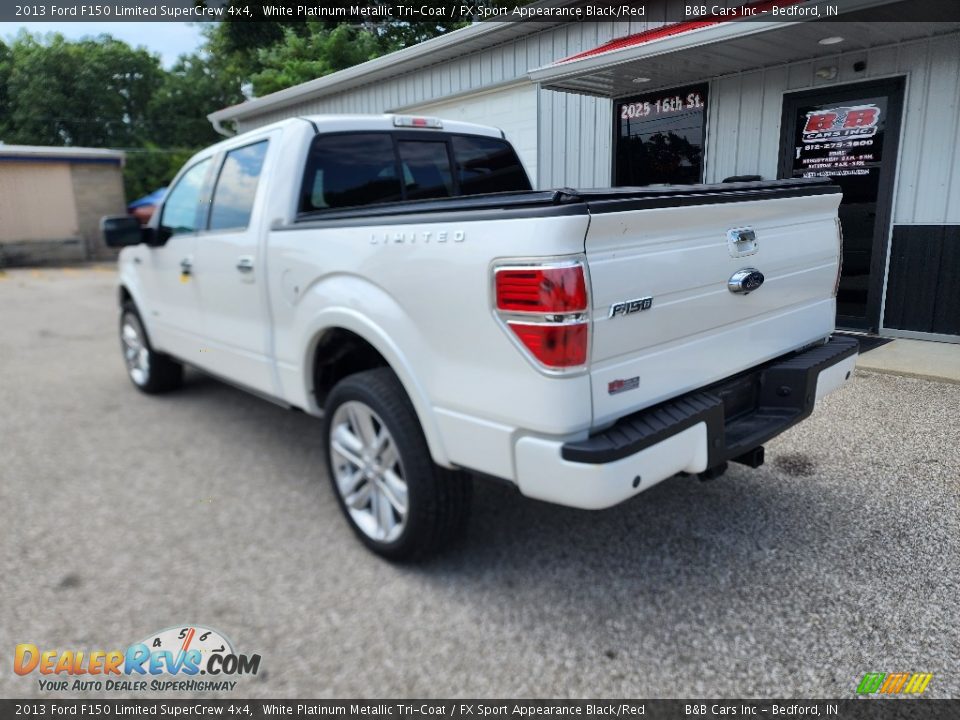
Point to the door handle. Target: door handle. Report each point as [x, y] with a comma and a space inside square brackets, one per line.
[245, 263]
[186, 265]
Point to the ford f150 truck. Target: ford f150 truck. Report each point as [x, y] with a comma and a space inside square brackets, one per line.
[398, 277]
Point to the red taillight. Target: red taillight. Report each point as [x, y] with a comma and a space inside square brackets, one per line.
[542, 290]
[545, 307]
[555, 345]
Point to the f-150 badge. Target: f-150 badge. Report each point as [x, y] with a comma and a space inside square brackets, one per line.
[628, 307]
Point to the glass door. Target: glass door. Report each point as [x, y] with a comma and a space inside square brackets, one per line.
[850, 134]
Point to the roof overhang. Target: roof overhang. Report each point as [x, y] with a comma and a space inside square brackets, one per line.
[699, 51]
[431, 52]
[48, 153]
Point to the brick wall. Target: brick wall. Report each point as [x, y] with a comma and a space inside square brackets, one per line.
[97, 191]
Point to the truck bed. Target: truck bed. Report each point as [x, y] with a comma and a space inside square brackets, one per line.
[568, 201]
[667, 247]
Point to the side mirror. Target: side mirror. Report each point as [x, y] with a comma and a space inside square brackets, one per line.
[120, 231]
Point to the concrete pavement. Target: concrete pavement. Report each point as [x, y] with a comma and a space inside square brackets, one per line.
[915, 358]
[122, 514]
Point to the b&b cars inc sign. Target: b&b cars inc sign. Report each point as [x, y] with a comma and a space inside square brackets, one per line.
[839, 141]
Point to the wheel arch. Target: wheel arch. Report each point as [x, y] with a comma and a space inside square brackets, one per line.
[124, 295]
[343, 343]
[130, 290]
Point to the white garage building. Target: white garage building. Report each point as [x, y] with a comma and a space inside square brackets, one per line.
[872, 101]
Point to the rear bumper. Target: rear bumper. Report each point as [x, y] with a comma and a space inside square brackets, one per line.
[690, 433]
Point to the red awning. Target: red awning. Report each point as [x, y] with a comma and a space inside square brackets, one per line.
[676, 29]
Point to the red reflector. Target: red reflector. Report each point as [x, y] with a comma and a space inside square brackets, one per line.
[557, 346]
[542, 290]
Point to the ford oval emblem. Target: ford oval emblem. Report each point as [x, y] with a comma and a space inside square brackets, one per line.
[745, 281]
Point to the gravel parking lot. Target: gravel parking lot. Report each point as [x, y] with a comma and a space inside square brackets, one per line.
[122, 514]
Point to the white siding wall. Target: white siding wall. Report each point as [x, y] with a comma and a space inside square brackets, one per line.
[575, 131]
[470, 73]
[512, 109]
[745, 111]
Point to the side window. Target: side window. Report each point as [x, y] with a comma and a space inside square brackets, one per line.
[237, 187]
[487, 165]
[180, 209]
[349, 171]
[426, 169]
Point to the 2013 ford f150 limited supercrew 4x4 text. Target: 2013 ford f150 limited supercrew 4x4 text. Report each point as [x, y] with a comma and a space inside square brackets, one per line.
[399, 278]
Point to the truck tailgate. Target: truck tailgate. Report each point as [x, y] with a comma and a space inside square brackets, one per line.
[665, 320]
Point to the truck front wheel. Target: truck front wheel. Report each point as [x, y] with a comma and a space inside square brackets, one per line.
[150, 371]
[398, 502]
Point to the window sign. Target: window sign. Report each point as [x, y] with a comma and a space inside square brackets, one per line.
[840, 140]
[660, 137]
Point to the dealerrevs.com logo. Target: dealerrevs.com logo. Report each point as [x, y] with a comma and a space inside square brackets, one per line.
[169, 660]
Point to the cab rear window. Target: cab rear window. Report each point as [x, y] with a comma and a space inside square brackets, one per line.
[487, 165]
[361, 169]
[350, 171]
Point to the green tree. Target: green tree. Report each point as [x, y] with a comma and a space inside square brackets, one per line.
[5, 68]
[91, 92]
[177, 111]
[323, 51]
[177, 122]
[100, 92]
[152, 167]
[278, 54]
[398, 34]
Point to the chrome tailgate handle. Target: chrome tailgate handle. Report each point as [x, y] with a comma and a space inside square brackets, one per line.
[742, 242]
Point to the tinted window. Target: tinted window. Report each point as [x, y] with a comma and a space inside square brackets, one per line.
[487, 165]
[237, 187]
[426, 169]
[350, 170]
[180, 209]
[660, 137]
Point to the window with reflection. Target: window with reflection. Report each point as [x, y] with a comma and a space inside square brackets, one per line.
[487, 165]
[426, 169]
[660, 137]
[350, 171]
[237, 187]
[181, 208]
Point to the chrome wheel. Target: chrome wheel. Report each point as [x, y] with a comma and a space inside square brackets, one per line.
[135, 351]
[368, 471]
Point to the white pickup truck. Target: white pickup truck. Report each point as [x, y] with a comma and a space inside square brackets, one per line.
[399, 278]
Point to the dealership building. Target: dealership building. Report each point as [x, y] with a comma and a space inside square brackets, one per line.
[865, 98]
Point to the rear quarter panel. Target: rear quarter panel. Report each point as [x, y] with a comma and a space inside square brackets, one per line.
[421, 293]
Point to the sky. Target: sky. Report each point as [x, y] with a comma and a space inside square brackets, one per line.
[168, 39]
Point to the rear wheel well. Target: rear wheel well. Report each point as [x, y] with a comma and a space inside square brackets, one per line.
[124, 296]
[340, 353]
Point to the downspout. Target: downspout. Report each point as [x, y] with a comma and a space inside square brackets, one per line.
[218, 125]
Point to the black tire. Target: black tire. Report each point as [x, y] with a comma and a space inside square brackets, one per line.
[437, 499]
[159, 373]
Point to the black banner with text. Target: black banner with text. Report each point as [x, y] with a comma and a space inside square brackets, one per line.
[861, 709]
